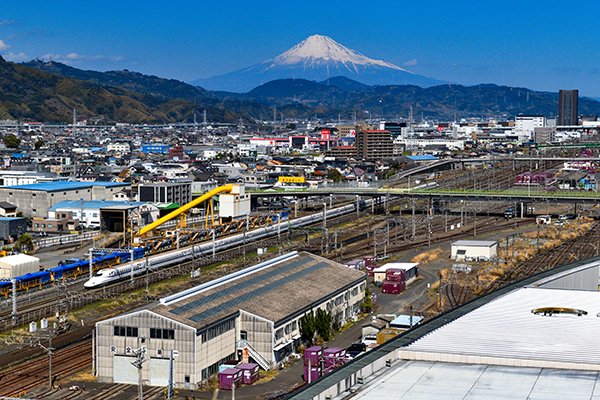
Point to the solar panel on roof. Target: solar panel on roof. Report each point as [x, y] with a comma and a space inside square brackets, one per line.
[257, 292]
[236, 288]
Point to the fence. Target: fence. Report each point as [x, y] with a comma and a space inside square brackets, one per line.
[65, 239]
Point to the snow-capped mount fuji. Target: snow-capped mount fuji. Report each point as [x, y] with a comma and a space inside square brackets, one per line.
[317, 49]
[316, 58]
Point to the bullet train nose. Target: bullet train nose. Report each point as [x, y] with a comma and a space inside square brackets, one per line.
[91, 283]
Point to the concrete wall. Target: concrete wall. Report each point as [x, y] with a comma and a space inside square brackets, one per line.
[261, 334]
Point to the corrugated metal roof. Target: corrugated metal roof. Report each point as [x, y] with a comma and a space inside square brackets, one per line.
[65, 185]
[93, 204]
[475, 243]
[506, 328]
[274, 292]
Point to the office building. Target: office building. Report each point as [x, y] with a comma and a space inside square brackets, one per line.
[568, 107]
[176, 191]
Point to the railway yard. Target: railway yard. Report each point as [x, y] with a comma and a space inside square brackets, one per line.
[390, 229]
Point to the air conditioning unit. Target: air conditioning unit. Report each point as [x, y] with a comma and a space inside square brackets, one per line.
[128, 350]
[160, 352]
[113, 349]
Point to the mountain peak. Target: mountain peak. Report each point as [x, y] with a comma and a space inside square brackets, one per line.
[320, 49]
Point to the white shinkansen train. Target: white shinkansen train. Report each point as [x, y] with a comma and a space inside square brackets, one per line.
[110, 275]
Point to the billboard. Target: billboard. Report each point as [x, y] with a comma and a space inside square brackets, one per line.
[291, 179]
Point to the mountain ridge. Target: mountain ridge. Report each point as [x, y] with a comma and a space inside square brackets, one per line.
[316, 58]
[31, 92]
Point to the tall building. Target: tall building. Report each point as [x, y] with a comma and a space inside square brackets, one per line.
[373, 145]
[568, 107]
[176, 191]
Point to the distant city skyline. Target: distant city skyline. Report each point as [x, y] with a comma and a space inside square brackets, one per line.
[541, 45]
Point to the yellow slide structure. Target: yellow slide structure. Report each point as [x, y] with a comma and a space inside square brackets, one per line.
[221, 189]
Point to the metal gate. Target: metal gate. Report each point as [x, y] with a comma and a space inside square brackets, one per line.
[159, 371]
[123, 371]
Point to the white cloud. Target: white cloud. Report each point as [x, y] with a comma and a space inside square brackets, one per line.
[411, 63]
[4, 22]
[15, 57]
[73, 58]
[3, 45]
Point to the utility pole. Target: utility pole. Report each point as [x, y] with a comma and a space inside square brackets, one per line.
[14, 300]
[139, 360]
[414, 226]
[131, 262]
[91, 266]
[429, 231]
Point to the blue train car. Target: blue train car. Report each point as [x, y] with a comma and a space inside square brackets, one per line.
[33, 280]
[68, 269]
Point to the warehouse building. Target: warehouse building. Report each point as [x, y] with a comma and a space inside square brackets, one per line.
[35, 200]
[466, 250]
[256, 311]
[530, 339]
[113, 216]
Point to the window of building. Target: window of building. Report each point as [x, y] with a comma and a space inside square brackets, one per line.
[128, 331]
[217, 330]
[278, 333]
[214, 368]
[157, 333]
[95, 215]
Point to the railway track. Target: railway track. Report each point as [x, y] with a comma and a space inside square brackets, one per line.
[586, 246]
[18, 380]
[74, 295]
[580, 248]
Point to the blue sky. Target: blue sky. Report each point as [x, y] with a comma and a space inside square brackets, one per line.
[543, 45]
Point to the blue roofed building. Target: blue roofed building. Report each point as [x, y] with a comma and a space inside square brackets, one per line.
[154, 148]
[423, 157]
[34, 200]
[108, 214]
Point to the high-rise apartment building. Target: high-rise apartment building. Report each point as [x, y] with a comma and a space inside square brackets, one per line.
[373, 145]
[568, 107]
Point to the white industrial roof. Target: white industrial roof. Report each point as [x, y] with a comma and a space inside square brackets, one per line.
[421, 380]
[507, 329]
[404, 266]
[475, 243]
